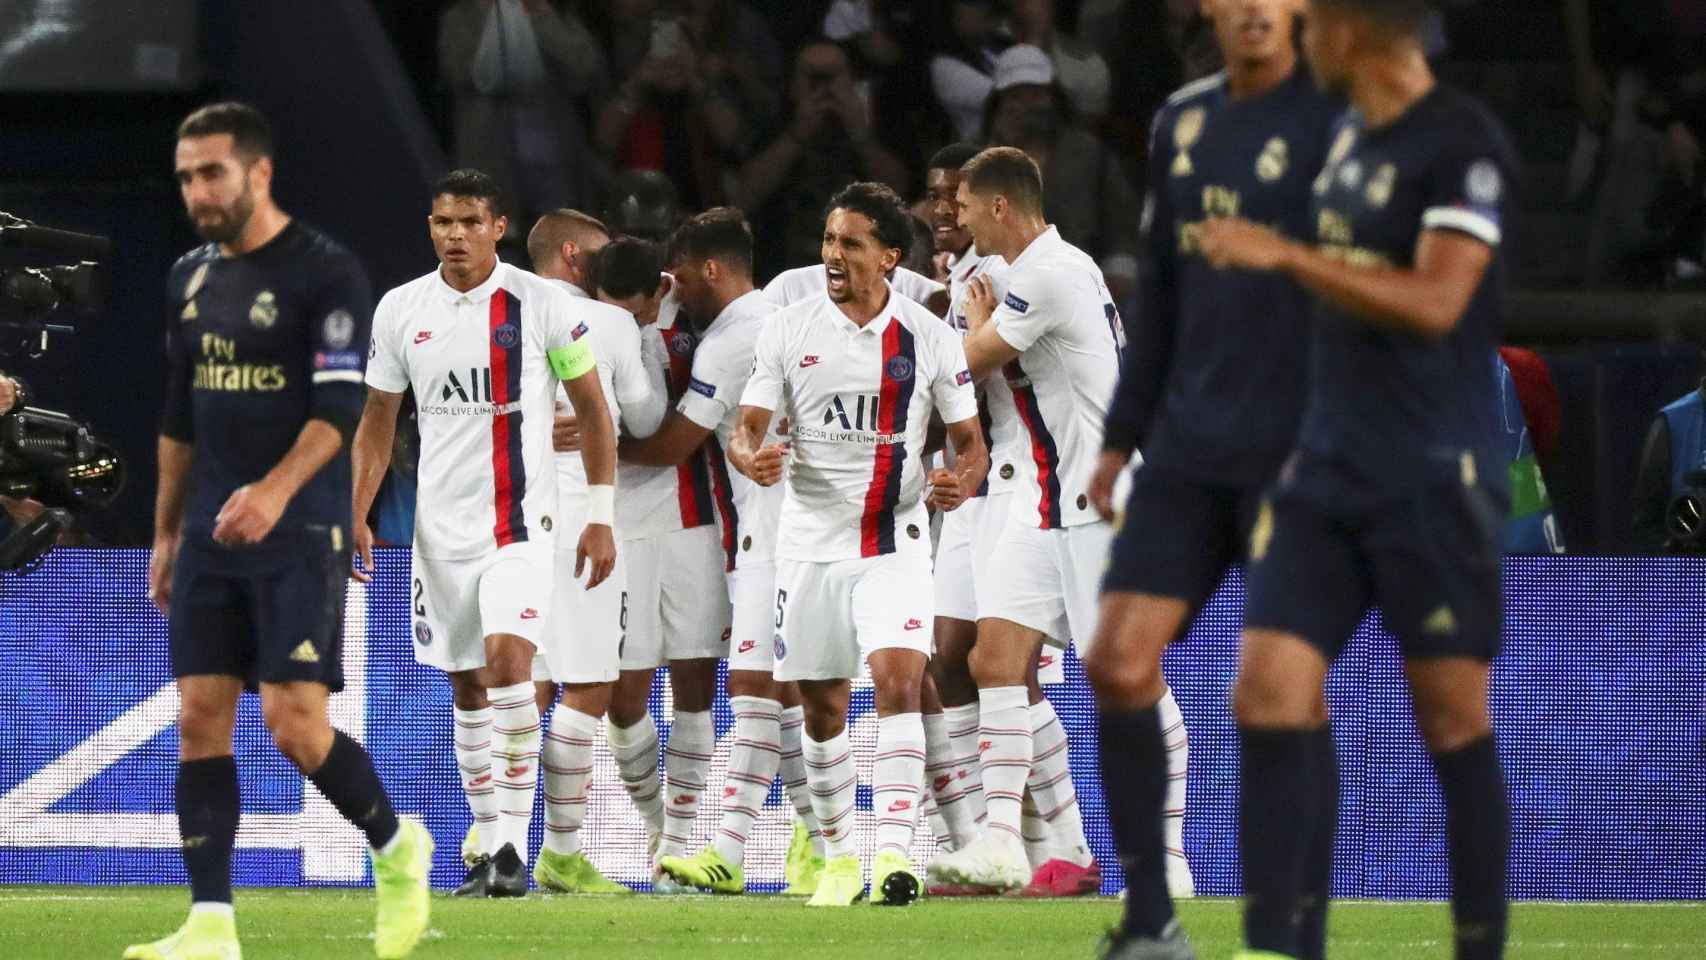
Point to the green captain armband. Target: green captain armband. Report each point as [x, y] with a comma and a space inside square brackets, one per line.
[571, 361]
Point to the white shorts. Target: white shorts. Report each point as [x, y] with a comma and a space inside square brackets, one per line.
[752, 640]
[678, 598]
[1051, 666]
[831, 616]
[457, 604]
[969, 539]
[583, 639]
[1048, 580]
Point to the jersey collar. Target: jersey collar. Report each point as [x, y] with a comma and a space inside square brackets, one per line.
[877, 325]
[1038, 248]
[480, 293]
[737, 307]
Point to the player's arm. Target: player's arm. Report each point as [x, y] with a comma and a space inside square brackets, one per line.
[670, 444]
[986, 350]
[176, 452]
[572, 362]
[717, 378]
[370, 457]
[643, 399]
[254, 508]
[949, 487]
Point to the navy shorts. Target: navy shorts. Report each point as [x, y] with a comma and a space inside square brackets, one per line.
[1429, 558]
[274, 624]
[1179, 536]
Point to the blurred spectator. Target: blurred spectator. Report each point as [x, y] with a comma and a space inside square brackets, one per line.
[864, 29]
[1079, 69]
[520, 74]
[642, 203]
[1670, 485]
[962, 74]
[691, 76]
[1151, 49]
[1085, 191]
[826, 143]
[887, 41]
[1531, 527]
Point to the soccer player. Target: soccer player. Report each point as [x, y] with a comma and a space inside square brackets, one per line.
[584, 654]
[710, 259]
[252, 522]
[1055, 337]
[1212, 395]
[1392, 496]
[484, 346]
[809, 282]
[858, 373]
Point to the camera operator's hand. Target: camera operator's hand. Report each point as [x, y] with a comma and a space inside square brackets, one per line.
[361, 571]
[161, 562]
[249, 515]
[8, 394]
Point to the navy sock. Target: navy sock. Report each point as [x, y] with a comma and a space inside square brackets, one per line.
[1478, 828]
[1277, 813]
[1317, 876]
[347, 778]
[208, 807]
[1134, 786]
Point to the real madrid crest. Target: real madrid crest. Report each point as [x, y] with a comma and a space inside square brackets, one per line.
[263, 313]
[1379, 189]
[1271, 164]
[1186, 131]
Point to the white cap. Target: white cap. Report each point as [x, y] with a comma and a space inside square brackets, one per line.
[1023, 65]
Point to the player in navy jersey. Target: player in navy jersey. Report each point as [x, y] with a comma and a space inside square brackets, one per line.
[267, 328]
[1394, 494]
[1211, 392]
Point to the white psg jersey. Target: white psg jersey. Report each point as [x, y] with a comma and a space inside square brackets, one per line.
[1058, 314]
[721, 366]
[484, 391]
[859, 402]
[628, 394]
[803, 283]
[1001, 419]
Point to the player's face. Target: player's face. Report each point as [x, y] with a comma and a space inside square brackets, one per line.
[856, 261]
[643, 307]
[693, 290]
[465, 235]
[945, 229]
[1327, 40]
[976, 215]
[217, 186]
[1252, 31]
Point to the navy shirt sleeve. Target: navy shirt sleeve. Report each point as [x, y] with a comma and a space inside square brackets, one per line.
[343, 313]
[1143, 373]
[176, 419]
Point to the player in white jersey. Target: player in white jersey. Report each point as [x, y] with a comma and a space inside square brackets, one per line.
[483, 345]
[585, 654]
[806, 283]
[858, 373]
[1055, 337]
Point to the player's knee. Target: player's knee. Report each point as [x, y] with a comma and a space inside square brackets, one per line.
[300, 733]
[1265, 700]
[1129, 680]
[1446, 728]
[752, 683]
[997, 664]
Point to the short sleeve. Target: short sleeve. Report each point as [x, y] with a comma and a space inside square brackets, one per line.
[1023, 316]
[714, 386]
[628, 378]
[386, 369]
[341, 323]
[568, 347]
[764, 386]
[177, 420]
[956, 396]
[1468, 192]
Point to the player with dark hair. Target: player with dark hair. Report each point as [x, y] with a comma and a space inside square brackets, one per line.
[858, 373]
[1211, 394]
[1394, 493]
[484, 347]
[252, 522]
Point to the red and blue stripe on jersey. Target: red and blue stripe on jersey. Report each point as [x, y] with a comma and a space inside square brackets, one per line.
[1043, 450]
[693, 475]
[725, 497]
[509, 472]
[900, 356]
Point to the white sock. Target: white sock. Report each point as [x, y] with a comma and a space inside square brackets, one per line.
[963, 735]
[1050, 783]
[792, 770]
[687, 759]
[635, 749]
[947, 793]
[568, 768]
[834, 780]
[895, 780]
[474, 768]
[214, 907]
[753, 757]
[515, 760]
[1035, 830]
[1005, 729]
[1178, 754]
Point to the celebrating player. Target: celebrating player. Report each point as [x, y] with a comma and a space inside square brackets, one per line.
[1393, 494]
[1055, 337]
[857, 373]
[251, 522]
[1213, 399]
[484, 345]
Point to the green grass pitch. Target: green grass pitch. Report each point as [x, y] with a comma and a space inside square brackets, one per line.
[73, 923]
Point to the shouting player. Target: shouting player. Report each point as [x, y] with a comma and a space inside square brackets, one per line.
[1213, 398]
[858, 373]
[484, 345]
[1393, 496]
[252, 522]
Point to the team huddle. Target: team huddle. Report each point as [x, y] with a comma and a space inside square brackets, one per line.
[632, 457]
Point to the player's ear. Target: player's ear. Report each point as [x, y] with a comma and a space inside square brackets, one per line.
[260, 176]
[500, 226]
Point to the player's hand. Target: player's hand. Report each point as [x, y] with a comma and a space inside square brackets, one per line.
[362, 569]
[248, 515]
[765, 468]
[980, 303]
[598, 548]
[565, 434]
[945, 490]
[1233, 243]
[161, 563]
[1108, 467]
